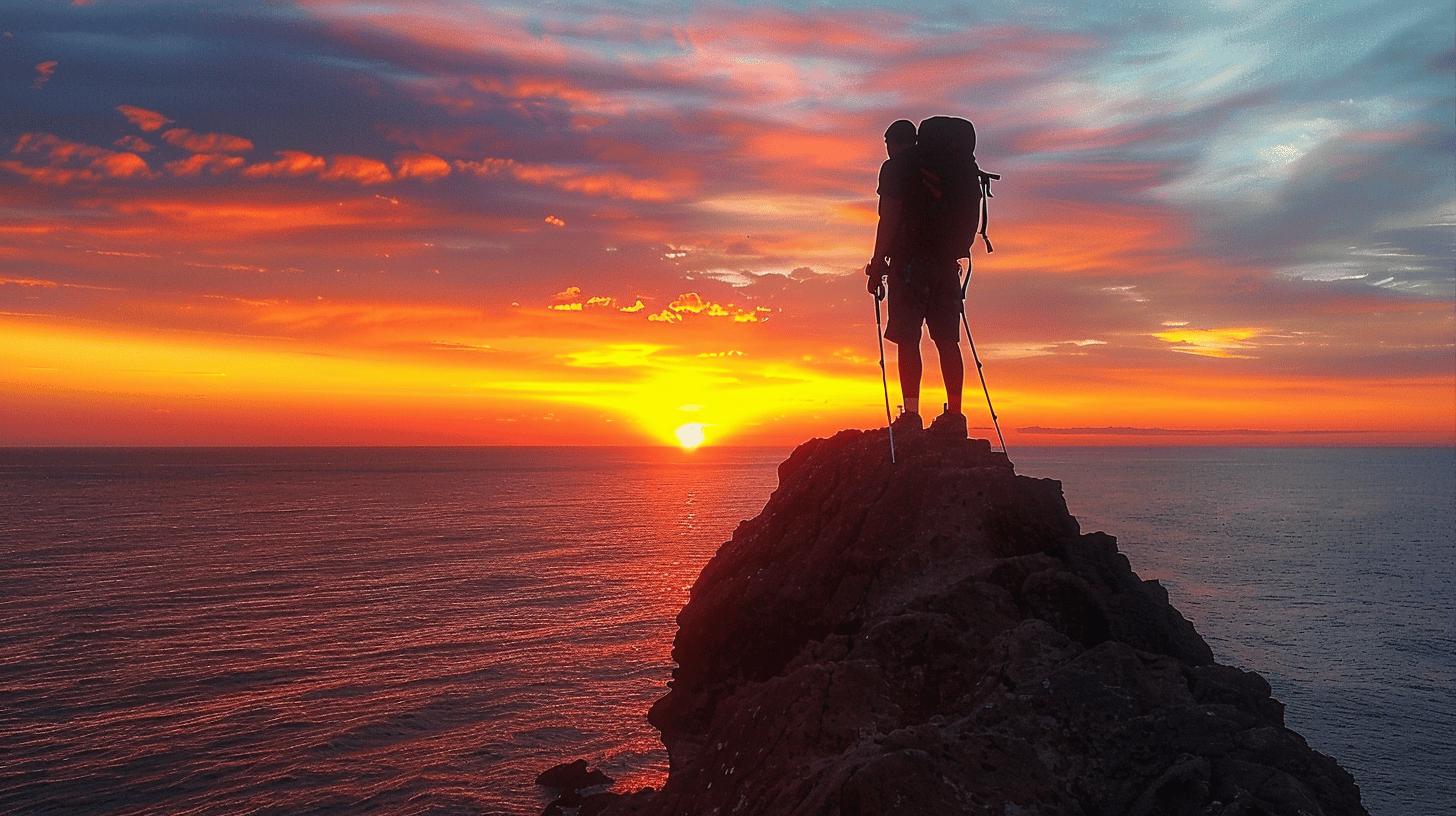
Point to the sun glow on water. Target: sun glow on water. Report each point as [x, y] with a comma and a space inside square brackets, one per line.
[690, 435]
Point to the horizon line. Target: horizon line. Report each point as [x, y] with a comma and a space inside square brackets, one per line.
[426, 446]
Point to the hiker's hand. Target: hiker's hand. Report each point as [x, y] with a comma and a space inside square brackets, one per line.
[874, 283]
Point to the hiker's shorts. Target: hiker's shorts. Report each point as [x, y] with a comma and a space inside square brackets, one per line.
[923, 292]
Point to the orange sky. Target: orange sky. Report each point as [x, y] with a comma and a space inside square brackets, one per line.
[449, 223]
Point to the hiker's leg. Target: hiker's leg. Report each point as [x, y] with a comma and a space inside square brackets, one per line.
[953, 371]
[943, 317]
[909, 362]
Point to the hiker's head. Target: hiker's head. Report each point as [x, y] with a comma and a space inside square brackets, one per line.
[899, 137]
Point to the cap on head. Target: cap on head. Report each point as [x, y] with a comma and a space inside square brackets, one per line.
[902, 130]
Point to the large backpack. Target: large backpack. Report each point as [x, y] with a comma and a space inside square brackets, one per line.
[945, 206]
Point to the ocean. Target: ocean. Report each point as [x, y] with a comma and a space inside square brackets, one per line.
[423, 630]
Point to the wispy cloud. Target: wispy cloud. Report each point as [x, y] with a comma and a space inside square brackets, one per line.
[43, 73]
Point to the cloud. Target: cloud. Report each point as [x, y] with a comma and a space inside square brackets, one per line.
[135, 144]
[230, 223]
[426, 166]
[692, 303]
[122, 166]
[39, 283]
[289, 164]
[1222, 342]
[64, 161]
[147, 120]
[614, 355]
[43, 73]
[603, 183]
[206, 142]
[1013, 351]
[573, 299]
[356, 168]
[570, 300]
[214, 163]
[554, 221]
[55, 148]
[42, 283]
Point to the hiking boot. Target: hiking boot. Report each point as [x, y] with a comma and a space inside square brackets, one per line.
[951, 425]
[907, 422]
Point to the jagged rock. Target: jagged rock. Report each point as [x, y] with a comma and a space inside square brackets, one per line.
[572, 776]
[565, 803]
[572, 803]
[939, 637]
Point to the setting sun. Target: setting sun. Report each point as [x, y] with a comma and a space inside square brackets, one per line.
[690, 435]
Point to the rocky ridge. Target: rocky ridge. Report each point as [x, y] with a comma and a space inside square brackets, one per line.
[938, 637]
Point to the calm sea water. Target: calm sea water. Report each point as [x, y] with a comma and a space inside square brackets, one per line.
[423, 630]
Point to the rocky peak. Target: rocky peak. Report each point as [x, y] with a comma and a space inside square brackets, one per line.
[939, 637]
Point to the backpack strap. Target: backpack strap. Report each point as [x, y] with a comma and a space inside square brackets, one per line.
[985, 216]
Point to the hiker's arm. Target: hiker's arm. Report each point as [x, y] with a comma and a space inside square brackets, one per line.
[889, 227]
[885, 233]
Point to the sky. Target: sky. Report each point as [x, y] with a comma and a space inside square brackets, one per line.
[391, 222]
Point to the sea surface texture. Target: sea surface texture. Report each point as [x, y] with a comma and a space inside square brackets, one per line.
[424, 630]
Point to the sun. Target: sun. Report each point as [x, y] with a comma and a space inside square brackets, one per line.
[690, 435]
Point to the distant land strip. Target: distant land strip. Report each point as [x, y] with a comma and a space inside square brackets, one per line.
[1127, 431]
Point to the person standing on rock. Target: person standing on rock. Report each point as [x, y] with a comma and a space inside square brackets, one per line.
[923, 269]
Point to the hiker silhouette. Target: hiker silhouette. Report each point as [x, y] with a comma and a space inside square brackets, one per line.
[929, 208]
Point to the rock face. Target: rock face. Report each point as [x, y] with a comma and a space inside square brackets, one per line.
[939, 638]
[572, 776]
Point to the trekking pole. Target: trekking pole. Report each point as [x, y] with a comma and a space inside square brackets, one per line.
[974, 356]
[983, 220]
[884, 380]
